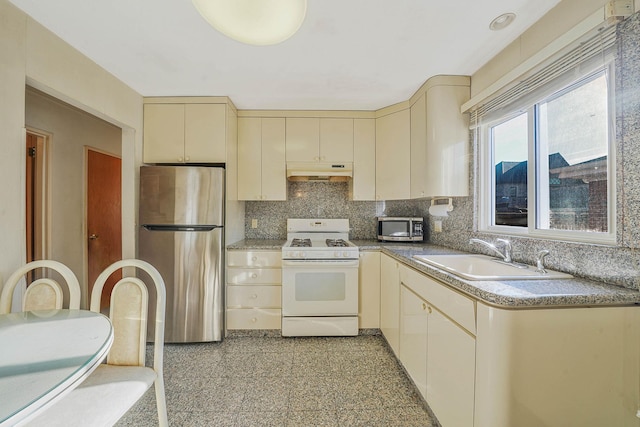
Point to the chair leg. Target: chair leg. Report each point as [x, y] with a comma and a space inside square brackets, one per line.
[161, 402]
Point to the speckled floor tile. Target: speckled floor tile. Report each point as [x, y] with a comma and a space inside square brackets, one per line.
[270, 381]
[201, 419]
[393, 417]
[261, 419]
[312, 418]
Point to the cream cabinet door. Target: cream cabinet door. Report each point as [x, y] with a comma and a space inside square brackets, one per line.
[419, 161]
[390, 302]
[205, 133]
[274, 173]
[451, 361]
[261, 159]
[447, 142]
[303, 139]
[393, 163]
[336, 140]
[413, 338]
[163, 133]
[369, 290]
[363, 184]
[249, 158]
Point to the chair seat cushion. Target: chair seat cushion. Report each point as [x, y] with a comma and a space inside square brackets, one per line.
[101, 400]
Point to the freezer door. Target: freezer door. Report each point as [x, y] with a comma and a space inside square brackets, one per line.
[191, 264]
[181, 195]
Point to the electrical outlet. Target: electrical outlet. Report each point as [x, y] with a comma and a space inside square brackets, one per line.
[254, 223]
[437, 226]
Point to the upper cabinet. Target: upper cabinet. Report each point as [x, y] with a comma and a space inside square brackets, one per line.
[261, 159]
[176, 132]
[363, 184]
[419, 148]
[393, 155]
[440, 138]
[447, 141]
[319, 139]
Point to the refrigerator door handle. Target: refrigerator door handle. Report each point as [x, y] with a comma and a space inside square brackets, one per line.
[151, 227]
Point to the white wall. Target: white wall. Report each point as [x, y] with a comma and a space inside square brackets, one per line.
[31, 54]
[557, 22]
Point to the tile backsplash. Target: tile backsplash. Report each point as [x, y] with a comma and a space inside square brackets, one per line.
[324, 200]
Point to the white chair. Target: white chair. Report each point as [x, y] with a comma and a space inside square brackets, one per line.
[113, 388]
[43, 293]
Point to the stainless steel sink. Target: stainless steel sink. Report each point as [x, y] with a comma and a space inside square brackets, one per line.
[482, 267]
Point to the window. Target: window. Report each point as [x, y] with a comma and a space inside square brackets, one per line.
[548, 167]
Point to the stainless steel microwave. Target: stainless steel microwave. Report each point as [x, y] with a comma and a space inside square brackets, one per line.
[400, 229]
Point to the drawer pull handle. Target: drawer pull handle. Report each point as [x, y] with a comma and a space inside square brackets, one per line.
[424, 305]
[254, 319]
[254, 296]
[254, 258]
[429, 310]
[254, 275]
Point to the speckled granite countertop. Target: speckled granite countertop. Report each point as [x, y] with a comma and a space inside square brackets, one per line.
[512, 294]
[260, 244]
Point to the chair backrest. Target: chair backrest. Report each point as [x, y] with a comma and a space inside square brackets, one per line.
[128, 314]
[44, 293]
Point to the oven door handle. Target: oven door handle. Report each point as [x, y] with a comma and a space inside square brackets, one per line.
[320, 263]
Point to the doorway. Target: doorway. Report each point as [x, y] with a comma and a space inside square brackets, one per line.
[36, 164]
[104, 218]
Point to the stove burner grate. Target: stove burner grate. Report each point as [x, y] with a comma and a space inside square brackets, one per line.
[301, 243]
[336, 243]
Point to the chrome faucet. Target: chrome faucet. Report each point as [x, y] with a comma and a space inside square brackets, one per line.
[540, 261]
[505, 254]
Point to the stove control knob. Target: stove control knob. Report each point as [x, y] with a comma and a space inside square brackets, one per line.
[345, 254]
[296, 254]
[303, 254]
[336, 254]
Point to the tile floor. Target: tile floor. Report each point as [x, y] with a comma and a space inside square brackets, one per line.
[274, 381]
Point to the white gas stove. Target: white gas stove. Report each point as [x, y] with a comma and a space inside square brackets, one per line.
[319, 279]
[318, 239]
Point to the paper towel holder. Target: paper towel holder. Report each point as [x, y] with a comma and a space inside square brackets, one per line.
[438, 208]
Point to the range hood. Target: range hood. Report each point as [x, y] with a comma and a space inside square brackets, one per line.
[312, 171]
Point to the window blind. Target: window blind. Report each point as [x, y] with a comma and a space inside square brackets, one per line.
[593, 51]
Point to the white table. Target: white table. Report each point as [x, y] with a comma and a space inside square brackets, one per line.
[46, 354]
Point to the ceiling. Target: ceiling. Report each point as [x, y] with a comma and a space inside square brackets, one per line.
[348, 54]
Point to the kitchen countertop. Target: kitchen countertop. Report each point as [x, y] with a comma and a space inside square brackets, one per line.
[260, 244]
[574, 292]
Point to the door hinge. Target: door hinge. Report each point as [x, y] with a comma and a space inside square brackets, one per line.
[32, 151]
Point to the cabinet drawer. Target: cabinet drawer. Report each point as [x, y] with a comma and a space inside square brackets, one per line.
[254, 318]
[248, 276]
[254, 296]
[254, 258]
[454, 305]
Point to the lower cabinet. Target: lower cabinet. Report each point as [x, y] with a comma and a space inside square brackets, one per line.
[369, 290]
[413, 337]
[451, 367]
[254, 281]
[390, 301]
[436, 350]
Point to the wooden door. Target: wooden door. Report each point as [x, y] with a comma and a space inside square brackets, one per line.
[104, 218]
[30, 168]
[36, 202]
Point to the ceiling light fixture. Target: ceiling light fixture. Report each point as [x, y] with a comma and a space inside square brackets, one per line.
[502, 21]
[256, 22]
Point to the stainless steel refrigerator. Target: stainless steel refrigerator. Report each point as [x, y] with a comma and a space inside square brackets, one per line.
[181, 234]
